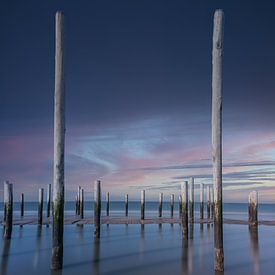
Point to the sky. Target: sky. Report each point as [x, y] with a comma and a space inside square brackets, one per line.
[138, 96]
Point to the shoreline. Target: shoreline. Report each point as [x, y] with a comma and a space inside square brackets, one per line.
[130, 220]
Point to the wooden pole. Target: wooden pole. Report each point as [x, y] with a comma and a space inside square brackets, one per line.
[191, 199]
[142, 205]
[201, 201]
[76, 204]
[217, 137]
[180, 206]
[82, 203]
[49, 191]
[172, 205]
[8, 209]
[22, 206]
[97, 208]
[208, 201]
[40, 206]
[78, 201]
[184, 211]
[253, 208]
[59, 142]
[126, 205]
[160, 204]
[107, 203]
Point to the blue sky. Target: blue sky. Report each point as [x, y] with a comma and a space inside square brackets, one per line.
[138, 94]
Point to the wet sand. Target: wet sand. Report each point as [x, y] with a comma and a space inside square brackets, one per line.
[72, 219]
[139, 249]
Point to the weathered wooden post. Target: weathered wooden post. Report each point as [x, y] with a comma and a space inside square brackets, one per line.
[172, 205]
[76, 204]
[49, 191]
[217, 137]
[142, 205]
[208, 201]
[107, 203]
[253, 208]
[8, 209]
[78, 200]
[22, 206]
[180, 206]
[184, 211]
[191, 199]
[40, 206]
[59, 141]
[81, 203]
[160, 204]
[201, 200]
[126, 205]
[97, 208]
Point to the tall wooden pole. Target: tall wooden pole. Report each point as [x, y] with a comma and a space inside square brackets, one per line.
[191, 199]
[40, 206]
[201, 200]
[49, 191]
[172, 205]
[253, 208]
[142, 205]
[217, 137]
[59, 142]
[208, 201]
[22, 206]
[107, 203]
[97, 208]
[160, 204]
[8, 209]
[212, 202]
[126, 205]
[184, 211]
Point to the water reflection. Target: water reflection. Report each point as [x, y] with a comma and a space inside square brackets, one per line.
[254, 244]
[184, 256]
[38, 247]
[96, 265]
[5, 256]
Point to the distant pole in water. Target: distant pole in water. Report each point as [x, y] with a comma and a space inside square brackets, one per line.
[201, 201]
[78, 200]
[160, 204]
[208, 201]
[97, 208]
[81, 203]
[49, 191]
[107, 203]
[180, 206]
[217, 137]
[172, 205]
[8, 209]
[126, 205]
[191, 199]
[76, 204]
[59, 142]
[22, 206]
[253, 208]
[184, 207]
[142, 205]
[40, 206]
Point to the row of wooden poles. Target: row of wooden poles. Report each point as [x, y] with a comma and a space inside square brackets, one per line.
[59, 142]
[184, 203]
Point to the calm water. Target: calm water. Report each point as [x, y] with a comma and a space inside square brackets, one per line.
[231, 210]
[134, 249]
